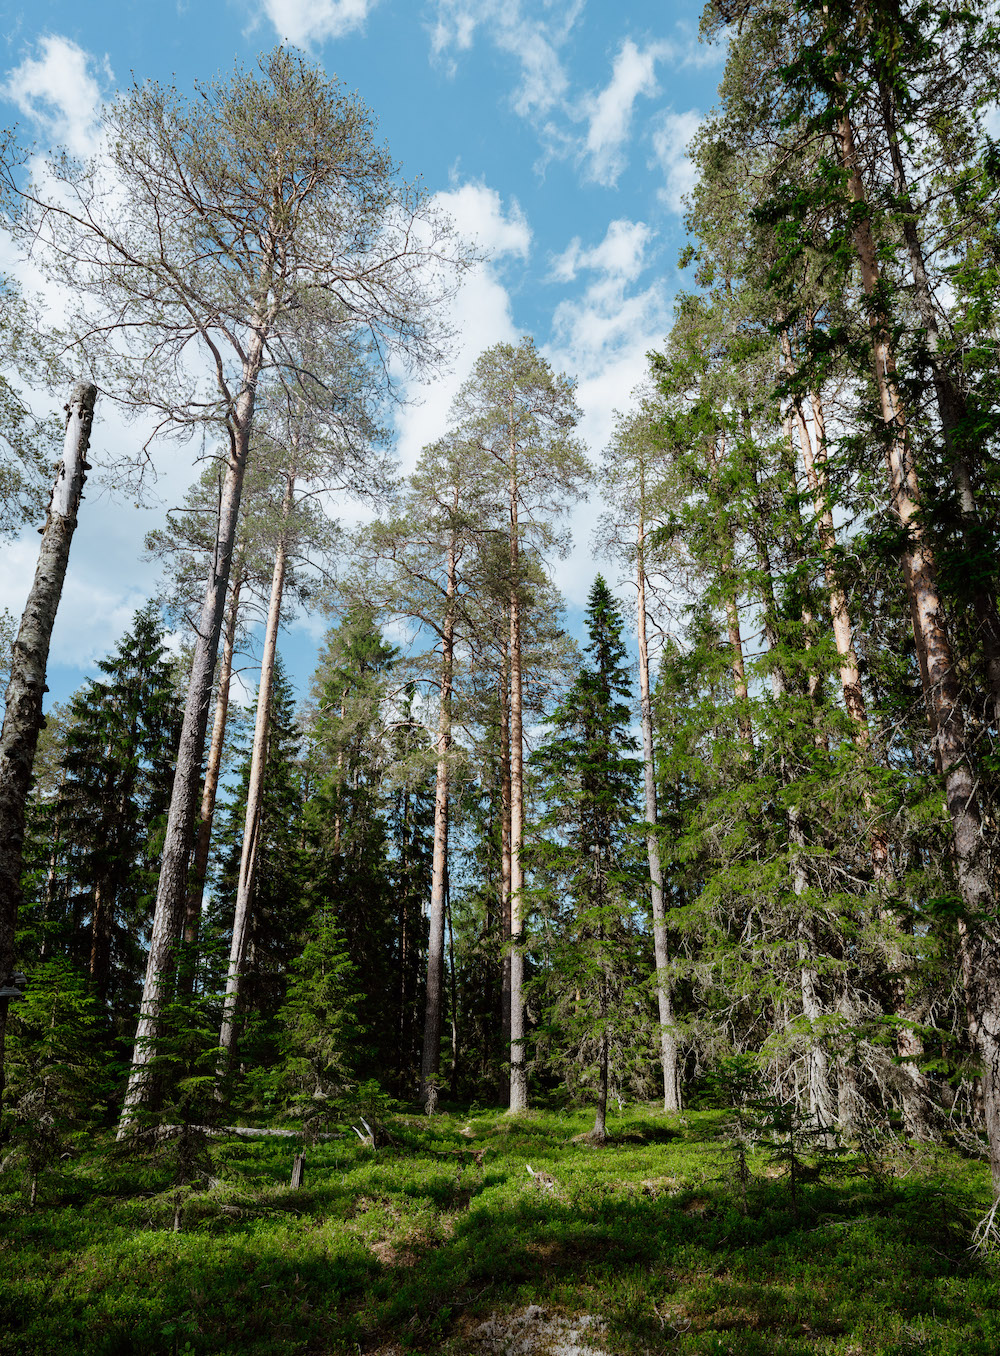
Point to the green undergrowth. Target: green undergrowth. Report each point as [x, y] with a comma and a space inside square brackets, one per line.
[411, 1245]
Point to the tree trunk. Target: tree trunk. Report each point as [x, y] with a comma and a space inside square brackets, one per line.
[172, 891]
[600, 1131]
[952, 407]
[430, 1062]
[203, 843]
[848, 1094]
[23, 715]
[979, 943]
[668, 1040]
[504, 876]
[518, 1070]
[255, 789]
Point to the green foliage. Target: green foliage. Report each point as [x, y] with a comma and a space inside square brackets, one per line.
[417, 1245]
[59, 1081]
[99, 815]
[318, 1029]
[586, 877]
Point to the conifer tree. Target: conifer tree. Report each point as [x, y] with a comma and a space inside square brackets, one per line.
[117, 768]
[522, 416]
[588, 878]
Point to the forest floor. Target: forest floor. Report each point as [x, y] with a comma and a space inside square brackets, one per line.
[440, 1239]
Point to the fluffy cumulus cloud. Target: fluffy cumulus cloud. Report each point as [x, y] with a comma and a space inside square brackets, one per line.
[532, 34]
[672, 133]
[593, 128]
[61, 90]
[481, 312]
[305, 21]
[602, 334]
[620, 255]
[609, 113]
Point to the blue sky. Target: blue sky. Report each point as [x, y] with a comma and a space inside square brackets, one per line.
[553, 131]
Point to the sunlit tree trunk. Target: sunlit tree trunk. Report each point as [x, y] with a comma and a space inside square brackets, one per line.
[26, 688]
[979, 944]
[668, 1040]
[255, 787]
[433, 1011]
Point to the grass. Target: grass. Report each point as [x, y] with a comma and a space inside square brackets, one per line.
[410, 1246]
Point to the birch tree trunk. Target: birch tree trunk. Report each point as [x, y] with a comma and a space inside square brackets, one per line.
[668, 1040]
[168, 917]
[23, 715]
[433, 1012]
[979, 943]
[255, 789]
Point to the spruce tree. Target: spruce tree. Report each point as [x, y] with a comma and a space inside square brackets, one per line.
[587, 875]
[116, 773]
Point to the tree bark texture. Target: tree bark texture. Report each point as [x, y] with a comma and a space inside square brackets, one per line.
[951, 403]
[978, 937]
[661, 954]
[213, 769]
[518, 1069]
[255, 788]
[504, 876]
[430, 1062]
[172, 891]
[23, 715]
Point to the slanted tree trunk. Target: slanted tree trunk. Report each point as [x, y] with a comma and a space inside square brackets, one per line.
[255, 789]
[668, 1039]
[979, 941]
[23, 715]
[213, 769]
[171, 895]
[430, 1062]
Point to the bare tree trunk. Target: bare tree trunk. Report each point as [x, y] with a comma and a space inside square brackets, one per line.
[430, 1062]
[203, 843]
[668, 1039]
[172, 890]
[23, 715]
[504, 875]
[917, 1095]
[979, 942]
[518, 1070]
[255, 789]
[951, 403]
[848, 1093]
[600, 1131]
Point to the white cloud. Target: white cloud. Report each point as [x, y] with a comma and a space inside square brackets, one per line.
[672, 135]
[480, 314]
[621, 253]
[60, 90]
[306, 21]
[609, 113]
[602, 336]
[531, 33]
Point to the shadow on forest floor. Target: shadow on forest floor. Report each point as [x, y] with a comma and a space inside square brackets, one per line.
[413, 1247]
